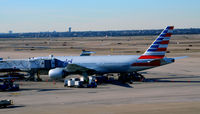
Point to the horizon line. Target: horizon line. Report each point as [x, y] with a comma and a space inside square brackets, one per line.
[91, 30]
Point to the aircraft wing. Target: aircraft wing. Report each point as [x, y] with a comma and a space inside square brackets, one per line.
[78, 68]
[86, 53]
[182, 57]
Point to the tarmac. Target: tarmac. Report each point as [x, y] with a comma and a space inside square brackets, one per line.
[170, 89]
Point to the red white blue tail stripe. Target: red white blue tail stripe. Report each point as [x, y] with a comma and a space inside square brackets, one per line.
[158, 48]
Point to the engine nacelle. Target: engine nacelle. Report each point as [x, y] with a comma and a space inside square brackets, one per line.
[57, 73]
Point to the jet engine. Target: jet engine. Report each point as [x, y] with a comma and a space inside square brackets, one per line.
[57, 73]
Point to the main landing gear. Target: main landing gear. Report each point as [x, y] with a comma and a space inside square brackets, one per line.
[130, 77]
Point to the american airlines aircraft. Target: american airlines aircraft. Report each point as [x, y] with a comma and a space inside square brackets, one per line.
[125, 65]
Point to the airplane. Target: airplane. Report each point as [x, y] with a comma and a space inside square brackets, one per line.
[59, 67]
[125, 65]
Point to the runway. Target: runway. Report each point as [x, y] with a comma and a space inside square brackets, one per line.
[164, 91]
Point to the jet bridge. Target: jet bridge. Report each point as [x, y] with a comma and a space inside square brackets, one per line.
[22, 64]
[32, 66]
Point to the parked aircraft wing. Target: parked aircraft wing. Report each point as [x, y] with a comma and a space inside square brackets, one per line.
[77, 68]
[86, 53]
[182, 57]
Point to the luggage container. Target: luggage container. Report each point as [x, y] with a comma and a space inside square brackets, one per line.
[70, 83]
[82, 79]
[78, 84]
[65, 82]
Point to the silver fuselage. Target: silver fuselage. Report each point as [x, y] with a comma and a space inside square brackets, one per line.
[109, 63]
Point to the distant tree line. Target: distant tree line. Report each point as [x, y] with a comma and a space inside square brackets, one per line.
[96, 33]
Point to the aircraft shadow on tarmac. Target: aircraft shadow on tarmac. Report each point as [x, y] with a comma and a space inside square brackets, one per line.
[43, 90]
[170, 79]
[117, 83]
[13, 106]
[164, 79]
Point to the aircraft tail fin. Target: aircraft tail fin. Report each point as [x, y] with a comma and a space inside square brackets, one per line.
[158, 48]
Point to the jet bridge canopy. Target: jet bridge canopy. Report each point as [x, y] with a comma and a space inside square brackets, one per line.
[28, 64]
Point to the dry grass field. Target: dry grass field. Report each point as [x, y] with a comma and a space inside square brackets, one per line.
[29, 47]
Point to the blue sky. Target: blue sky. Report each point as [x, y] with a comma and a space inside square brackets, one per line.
[84, 15]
